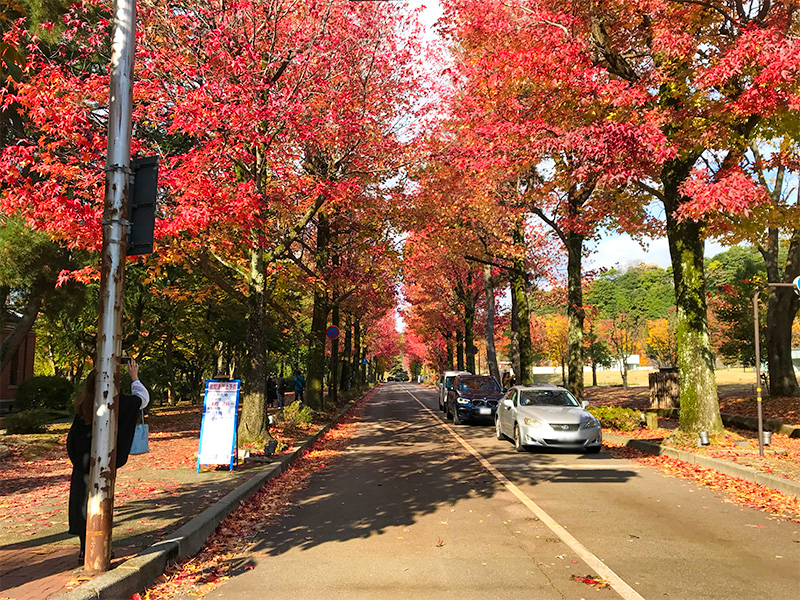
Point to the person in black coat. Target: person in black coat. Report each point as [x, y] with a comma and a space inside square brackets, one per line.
[79, 443]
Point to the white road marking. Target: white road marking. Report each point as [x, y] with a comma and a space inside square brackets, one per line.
[614, 580]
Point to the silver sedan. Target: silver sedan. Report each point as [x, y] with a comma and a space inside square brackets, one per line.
[546, 416]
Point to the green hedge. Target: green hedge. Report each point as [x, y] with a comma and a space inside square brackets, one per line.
[296, 415]
[614, 417]
[27, 421]
[53, 393]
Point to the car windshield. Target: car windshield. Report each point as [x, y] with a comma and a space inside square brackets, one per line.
[546, 398]
[476, 384]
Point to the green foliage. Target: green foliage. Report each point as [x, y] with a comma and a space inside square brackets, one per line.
[615, 417]
[644, 291]
[27, 421]
[732, 278]
[52, 393]
[295, 416]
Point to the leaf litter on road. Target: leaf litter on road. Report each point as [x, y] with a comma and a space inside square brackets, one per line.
[217, 560]
[592, 580]
[738, 491]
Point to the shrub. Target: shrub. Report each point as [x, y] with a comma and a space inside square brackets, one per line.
[295, 416]
[34, 420]
[53, 393]
[615, 417]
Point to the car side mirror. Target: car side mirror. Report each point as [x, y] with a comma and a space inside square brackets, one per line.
[508, 403]
[584, 403]
[505, 389]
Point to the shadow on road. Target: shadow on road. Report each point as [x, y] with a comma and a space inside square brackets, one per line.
[401, 466]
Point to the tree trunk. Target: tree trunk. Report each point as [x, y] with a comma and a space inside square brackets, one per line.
[469, 331]
[459, 350]
[315, 367]
[448, 344]
[514, 338]
[334, 380]
[346, 382]
[356, 365]
[623, 371]
[519, 294]
[782, 306]
[253, 424]
[575, 313]
[488, 328]
[699, 402]
[594, 374]
[170, 367]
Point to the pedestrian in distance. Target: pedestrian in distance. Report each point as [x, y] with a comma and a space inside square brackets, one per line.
[272, 391]
[299, 386]
[281, 392]
[79, 443]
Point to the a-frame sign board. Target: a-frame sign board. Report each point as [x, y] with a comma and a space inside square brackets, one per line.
[218, 442]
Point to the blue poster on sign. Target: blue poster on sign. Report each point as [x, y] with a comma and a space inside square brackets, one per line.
[218, 427]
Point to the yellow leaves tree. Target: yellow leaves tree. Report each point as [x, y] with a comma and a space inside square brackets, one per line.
[662, 342]
[556, 341]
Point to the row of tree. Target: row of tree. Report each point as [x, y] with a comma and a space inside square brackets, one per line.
[566, 121]
[283, 129]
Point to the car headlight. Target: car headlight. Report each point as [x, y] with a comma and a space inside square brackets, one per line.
[590, 424]
[462, 400]
[532, 422]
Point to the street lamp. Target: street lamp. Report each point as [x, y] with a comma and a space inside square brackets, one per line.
[795, 285]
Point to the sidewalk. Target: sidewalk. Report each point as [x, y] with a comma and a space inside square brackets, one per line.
[156, 494]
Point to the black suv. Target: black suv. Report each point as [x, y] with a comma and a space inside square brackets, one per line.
[473, 397]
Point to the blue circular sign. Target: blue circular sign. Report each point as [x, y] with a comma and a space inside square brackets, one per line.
[332, 332]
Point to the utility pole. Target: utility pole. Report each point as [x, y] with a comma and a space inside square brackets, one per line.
[100, 511]
[795, 285]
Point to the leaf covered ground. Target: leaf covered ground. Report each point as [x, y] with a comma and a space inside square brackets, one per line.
[782, 456]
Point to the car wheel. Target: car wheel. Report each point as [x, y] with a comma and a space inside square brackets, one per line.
[456, 419]
[518, 439]
[593, 449]
[498, 430]
[447, 411]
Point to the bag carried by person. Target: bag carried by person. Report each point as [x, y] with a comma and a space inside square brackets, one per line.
[141, 442]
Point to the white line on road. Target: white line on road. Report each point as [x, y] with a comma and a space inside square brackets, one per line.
[614, 580]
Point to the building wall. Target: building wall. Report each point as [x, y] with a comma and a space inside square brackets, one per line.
[18, 369]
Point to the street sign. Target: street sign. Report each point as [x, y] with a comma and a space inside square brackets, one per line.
[796, 285]
[218, 427]
[332, 332]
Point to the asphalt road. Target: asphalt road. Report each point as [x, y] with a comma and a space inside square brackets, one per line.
[419, 508]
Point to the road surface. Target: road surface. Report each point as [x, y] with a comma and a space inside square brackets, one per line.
[420, 508]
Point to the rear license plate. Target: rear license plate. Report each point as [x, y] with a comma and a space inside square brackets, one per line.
[485, 411]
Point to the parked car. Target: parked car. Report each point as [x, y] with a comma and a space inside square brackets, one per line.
[445, 383]
[473, 397]
[546, 416]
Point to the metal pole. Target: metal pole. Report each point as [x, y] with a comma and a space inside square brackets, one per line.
[758, 372]
[758, 360]
[109, 339]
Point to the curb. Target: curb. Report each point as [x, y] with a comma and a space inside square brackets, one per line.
[740, 421]
[787, 486]
[143, 569]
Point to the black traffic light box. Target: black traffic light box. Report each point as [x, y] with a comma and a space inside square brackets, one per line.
[142, 205]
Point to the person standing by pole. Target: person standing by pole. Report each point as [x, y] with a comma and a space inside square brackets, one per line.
[79, 443]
